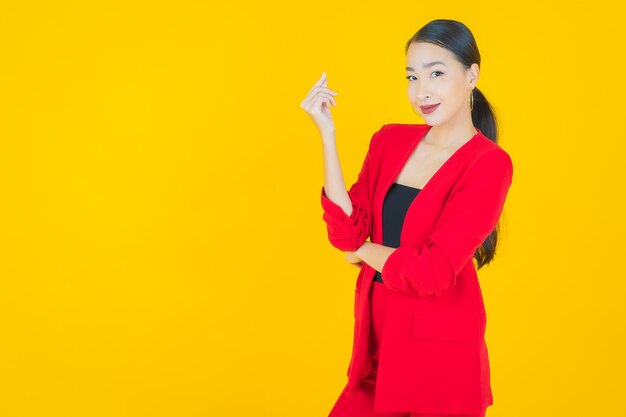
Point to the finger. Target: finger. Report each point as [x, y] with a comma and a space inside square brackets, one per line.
[325, 95]
[331, 100]
[309, 100]
[328, 90]
[314, 91]
[315, 87]
[321, 80]
[316, 105]
[323, 101]
[320, 99]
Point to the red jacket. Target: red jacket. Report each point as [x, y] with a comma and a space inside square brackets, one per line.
[433, 355]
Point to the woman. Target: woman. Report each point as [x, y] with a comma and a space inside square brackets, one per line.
[437, 191]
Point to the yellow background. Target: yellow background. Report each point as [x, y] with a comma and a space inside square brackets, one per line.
[162, 246]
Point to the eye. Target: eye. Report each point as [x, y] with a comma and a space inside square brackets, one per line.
[412, 76]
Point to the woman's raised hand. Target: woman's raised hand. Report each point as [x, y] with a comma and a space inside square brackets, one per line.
[317, 105]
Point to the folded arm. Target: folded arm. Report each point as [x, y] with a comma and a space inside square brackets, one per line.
[468, 218]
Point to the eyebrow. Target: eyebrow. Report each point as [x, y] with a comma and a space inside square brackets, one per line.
[426, 65]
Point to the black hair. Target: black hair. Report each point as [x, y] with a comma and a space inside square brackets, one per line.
[457, 38]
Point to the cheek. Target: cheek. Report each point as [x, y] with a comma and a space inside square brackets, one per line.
[448, 91]
[452, 95]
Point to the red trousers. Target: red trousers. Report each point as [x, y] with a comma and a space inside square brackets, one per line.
[361, 403]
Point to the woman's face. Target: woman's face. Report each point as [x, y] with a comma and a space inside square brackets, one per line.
[434, 76]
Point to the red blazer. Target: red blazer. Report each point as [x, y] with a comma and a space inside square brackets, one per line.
[433, 356]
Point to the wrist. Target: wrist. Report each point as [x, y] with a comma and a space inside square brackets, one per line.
[328, 138]
[361, 248]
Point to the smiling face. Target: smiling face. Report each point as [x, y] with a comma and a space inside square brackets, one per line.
[434, 76]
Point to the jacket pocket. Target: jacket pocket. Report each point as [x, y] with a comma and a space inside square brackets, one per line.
[446, 326]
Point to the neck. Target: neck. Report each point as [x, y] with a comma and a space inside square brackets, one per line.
[452, 133]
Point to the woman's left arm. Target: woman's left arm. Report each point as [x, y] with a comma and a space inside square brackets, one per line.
[372, 254]
[465, 222]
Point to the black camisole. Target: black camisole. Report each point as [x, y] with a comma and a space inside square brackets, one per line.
[397, 201]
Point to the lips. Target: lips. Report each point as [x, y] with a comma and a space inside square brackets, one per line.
[429, 109]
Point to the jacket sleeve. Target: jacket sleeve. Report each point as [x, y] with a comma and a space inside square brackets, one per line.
[469, 216]
[349, 232]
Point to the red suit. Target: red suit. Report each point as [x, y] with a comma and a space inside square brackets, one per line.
[433, 356]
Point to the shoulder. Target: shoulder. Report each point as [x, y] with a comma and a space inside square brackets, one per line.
[488, 166]
[490, 156]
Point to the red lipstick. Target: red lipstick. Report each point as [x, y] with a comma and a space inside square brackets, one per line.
[429, 109]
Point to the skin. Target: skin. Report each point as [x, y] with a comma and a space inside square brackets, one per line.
[317, 105]
[449, 84]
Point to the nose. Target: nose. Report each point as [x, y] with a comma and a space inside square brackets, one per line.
[422, 93]
[419, 92]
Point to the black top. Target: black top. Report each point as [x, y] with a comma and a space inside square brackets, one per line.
[397, 201]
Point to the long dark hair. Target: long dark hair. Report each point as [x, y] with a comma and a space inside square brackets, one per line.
[457, 38]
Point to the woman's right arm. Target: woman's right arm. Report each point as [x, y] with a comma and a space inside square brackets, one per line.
[334, 188]
[348, 214]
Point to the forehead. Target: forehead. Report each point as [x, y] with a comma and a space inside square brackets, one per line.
[420, 53]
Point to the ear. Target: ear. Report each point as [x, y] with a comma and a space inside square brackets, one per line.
[472, 75]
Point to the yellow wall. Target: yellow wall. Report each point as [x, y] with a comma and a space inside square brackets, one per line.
[162, 251]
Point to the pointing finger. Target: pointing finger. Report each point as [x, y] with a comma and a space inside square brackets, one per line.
[321, 80]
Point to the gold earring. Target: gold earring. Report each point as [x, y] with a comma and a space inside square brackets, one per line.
[472, 100]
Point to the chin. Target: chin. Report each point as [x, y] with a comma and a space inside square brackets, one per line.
[431, 120]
